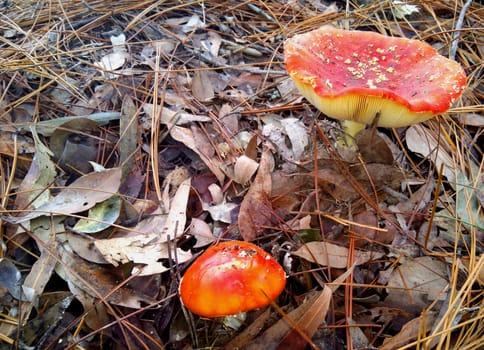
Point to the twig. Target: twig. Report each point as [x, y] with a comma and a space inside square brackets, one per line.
[458, 27]
[261, 12]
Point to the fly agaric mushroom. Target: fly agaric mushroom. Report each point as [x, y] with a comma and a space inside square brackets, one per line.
[229, 278]
[364, 78]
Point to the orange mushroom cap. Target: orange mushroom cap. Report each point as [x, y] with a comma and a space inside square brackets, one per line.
[229, 278]
[357, 75]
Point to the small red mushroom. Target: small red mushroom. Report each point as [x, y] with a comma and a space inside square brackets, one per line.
[229, 278]
[364, 77]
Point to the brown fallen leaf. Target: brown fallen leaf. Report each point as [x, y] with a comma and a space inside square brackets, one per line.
[416, 283]
[373, 148]
[97, 280]
[186, 136]
[202, 88]
[332, 255]
[32, 191]
[410, 331]
[128, 137]
[96, 315]
[307, 317]
[249, 333]
[366, 232]
[256, 209]
[308, 323]
[7, 142]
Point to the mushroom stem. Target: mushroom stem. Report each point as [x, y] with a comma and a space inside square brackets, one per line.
[351, 128]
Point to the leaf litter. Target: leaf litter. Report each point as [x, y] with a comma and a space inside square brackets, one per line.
[135, 135]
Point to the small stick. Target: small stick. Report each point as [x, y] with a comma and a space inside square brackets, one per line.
[261, 12]
[458, 27]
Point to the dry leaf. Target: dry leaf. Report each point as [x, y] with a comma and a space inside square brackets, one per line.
[74, 144]
[201, 231]
[8, 140]
[186, 137]
[96, 315]
[83, 245]
[147, 250]
[202, 88]
[307, 318]
[34, 283]
[256, 209]
[246, 337]
[332, 255]
[244, 168]
[417, 283]
[112, 61]
[223, 212]
[170, 117]
[373, 148]
[358, 337]
[410, 331]
[81, 195]
[97, 280]
[309, 322]
[422, 141]
[100, 217]
[11, 278]
[298, 135]
[33, 189]
[128, 135]
[177, 216]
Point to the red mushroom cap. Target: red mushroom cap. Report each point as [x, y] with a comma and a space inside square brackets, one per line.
[229, 278]
[357, 75]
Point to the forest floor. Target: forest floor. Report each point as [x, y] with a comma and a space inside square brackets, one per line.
[136, 134]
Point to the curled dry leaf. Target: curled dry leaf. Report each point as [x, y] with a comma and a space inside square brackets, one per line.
[244, 168]
[223, 212]
[332, 255]
[422, 141]
[10, 278]
[201, 231]
[186, 137]
[75, 144]
[112, 61]
[171, 117]
[297, 134]
[373, 148]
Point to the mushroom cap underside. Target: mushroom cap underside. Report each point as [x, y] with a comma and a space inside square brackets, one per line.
[340, 65]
